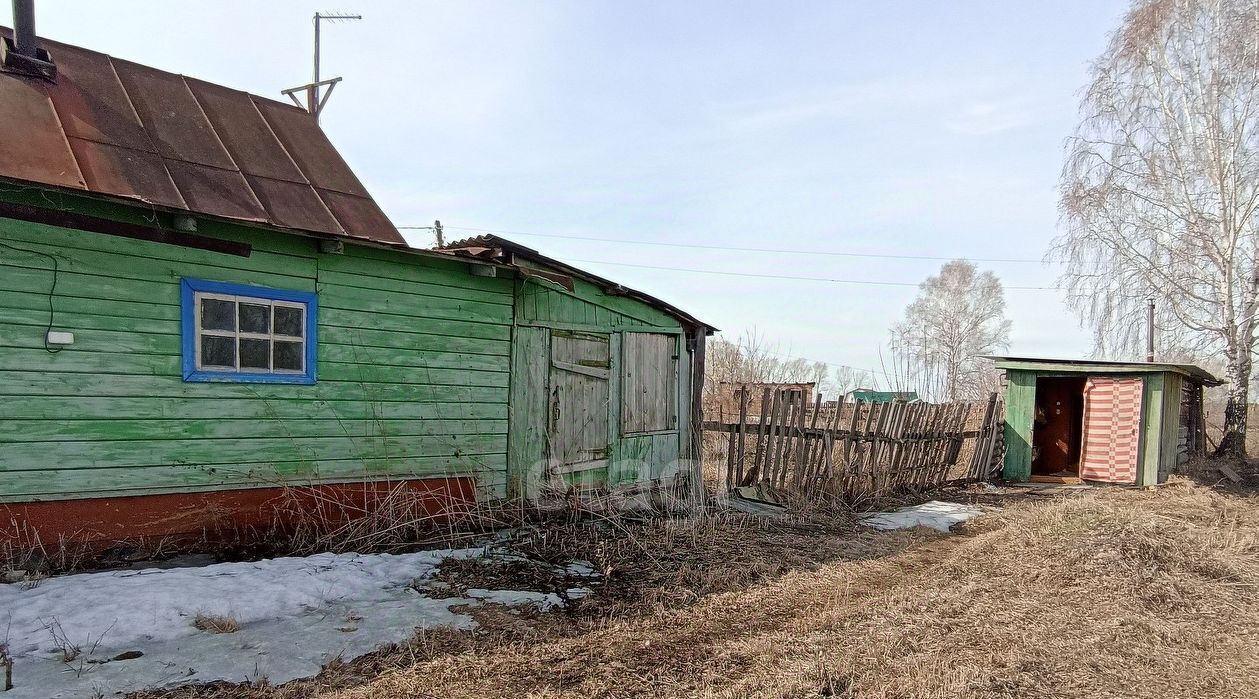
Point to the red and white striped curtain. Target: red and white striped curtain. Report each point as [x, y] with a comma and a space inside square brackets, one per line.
[1112, 430]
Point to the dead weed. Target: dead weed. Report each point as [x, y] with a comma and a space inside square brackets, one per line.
[1114, 593]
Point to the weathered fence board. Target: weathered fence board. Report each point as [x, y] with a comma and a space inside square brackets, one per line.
[859, 450]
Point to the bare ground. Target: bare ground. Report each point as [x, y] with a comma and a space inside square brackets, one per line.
[1114, 593]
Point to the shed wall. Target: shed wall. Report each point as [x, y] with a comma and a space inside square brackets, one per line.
[413, 369]
[542, 307]
[1160, 418]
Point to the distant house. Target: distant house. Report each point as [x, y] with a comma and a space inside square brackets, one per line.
[869, 395]
[1128, 423]
[730, 394]
[201, 306]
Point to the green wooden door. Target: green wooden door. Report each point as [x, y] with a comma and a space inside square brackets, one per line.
[577, 431]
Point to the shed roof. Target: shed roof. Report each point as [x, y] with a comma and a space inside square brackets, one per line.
[1101, 366]
[112, 127]
[869, 395]
[498, 249]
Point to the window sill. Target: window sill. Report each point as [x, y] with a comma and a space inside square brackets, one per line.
[246, 377]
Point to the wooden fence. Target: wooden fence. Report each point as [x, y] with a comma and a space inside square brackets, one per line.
[856, 450]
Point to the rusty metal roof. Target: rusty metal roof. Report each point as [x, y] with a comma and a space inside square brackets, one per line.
[493, 248]
[117, 128]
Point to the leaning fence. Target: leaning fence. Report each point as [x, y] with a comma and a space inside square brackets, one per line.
[855, 450]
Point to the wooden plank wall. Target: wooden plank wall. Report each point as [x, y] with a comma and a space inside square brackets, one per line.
[531, 352]
[544, 307]
[649, 370]
[413, 369]
[586, 307]
[581, 374]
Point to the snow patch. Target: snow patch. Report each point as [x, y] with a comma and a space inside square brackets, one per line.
[295, 616]
[935, 514]
[543, 601]
[582, 569]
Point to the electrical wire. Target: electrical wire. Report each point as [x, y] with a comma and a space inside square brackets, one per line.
[52, 291]
[786, 276]
[736, 248]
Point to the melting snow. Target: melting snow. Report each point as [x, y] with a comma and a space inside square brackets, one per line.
[935, 514]
[295, 615]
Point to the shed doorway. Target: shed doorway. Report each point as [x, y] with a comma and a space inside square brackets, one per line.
[1058, 426]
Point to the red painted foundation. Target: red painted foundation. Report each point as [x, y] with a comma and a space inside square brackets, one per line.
[238, 515]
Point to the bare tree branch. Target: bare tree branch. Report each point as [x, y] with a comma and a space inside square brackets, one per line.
[1160, 188]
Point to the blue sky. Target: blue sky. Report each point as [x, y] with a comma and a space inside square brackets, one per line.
[904, 128]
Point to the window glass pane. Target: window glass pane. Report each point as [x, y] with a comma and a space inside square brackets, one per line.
[217, 314]
[288, 321]
[255, 354]
[218, 351]
[254, 318]
[288, 355]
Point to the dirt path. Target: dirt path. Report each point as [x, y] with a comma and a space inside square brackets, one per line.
[1114, 594]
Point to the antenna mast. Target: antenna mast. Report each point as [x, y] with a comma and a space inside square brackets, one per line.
[314, 102]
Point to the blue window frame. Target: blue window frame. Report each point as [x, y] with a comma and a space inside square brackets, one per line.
[247, 334]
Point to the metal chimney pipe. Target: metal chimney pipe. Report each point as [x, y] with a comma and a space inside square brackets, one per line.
[24, 41]
[1149, 329]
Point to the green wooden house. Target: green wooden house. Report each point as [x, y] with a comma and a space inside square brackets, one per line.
[1127, 423]
[202, 308]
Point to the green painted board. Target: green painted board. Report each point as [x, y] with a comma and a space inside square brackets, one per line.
[1020, 412]
[1169, 438]
[528, 408]
[585, 307]
[266, 411]
[1151, 429]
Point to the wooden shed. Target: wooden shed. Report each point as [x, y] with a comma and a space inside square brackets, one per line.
[202, 311]
[1127, 423]
[606, 381]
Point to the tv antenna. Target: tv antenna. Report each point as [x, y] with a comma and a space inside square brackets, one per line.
[314, 101]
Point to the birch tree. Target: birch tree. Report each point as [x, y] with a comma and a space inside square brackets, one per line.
[1160, 188]
[958, 316]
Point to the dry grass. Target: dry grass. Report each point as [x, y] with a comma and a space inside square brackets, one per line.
[216, 623]
[648, 566]
[23, 554]
[1115, 593]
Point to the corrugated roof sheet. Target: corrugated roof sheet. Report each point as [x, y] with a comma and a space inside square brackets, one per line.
[1083, 366]
[117, 128]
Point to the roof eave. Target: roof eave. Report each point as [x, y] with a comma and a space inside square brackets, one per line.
[1102, 366]
[608, 286]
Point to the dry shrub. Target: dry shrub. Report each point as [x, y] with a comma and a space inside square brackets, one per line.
[312, 519]
[24, 554]
[216, 623]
